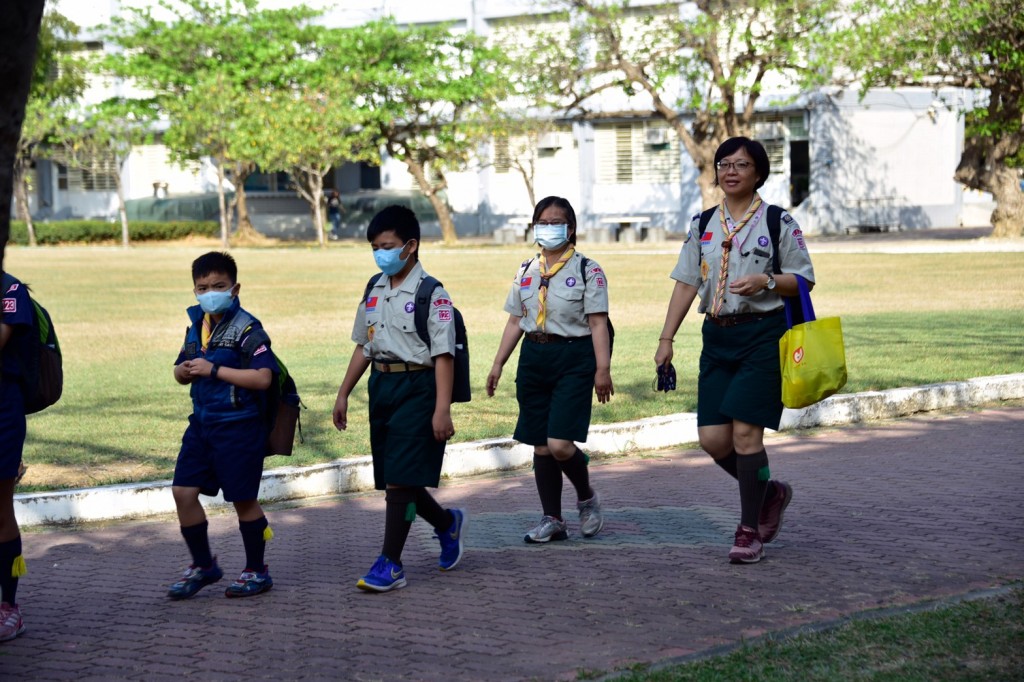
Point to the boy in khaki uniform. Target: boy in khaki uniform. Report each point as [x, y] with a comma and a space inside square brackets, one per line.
[410, 391]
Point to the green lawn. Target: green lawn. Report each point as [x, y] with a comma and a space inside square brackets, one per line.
[908, 320]
[976, 640]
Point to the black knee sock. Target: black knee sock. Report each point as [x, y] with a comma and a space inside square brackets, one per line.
[548, 475]
[10, 551]
[728, 463]
[255, 545]
[752, 473]
[431, 512]
[575, 469]
[198, 544]
[399, 512]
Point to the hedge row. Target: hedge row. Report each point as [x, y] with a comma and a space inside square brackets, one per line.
[93, 231]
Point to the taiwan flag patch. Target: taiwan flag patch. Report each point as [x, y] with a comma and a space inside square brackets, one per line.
[371, 304]
[525, 282]
[706, 238]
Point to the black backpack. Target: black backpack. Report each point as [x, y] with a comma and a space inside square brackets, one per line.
[42, 381]
[461, 391]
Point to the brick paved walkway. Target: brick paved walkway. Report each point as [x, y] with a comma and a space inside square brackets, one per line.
[882, 515]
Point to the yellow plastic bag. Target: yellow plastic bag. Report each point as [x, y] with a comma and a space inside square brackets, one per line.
[811, 355]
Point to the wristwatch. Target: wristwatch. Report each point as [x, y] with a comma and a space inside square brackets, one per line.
[770, 284]
[213, 371]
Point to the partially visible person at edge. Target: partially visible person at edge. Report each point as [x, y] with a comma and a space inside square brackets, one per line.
[739, 387]
[410, 395]
[16, 324]
[227, 363]
[559, 300]
[334, 209]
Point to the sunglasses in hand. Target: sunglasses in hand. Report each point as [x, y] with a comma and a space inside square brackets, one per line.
[666, 380]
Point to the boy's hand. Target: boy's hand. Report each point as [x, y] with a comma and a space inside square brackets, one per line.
[492, 379]
[443, 427]
[199, 367]
[181, 373]
[340, 413]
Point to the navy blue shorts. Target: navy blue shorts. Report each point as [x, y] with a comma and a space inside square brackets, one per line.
[12, 426]
[224, 456]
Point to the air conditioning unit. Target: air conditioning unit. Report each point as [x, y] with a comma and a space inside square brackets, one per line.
[551, 141]
[656, 136]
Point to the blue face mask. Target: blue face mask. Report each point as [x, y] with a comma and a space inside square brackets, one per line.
[551, 237]
[215, 302]
[389, 260]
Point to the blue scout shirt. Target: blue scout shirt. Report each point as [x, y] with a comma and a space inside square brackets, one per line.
[214, 400]
[19, 314]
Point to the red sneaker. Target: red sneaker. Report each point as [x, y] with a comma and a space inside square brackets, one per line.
[748, 548]
[770, 522]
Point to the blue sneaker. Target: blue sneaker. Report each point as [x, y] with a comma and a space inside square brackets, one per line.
[250, 583]
[385, 576]
[451, 540]
[194, 579]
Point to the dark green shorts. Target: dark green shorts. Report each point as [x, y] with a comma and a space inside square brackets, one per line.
[555, 388]
[739, 373]
[401, 429]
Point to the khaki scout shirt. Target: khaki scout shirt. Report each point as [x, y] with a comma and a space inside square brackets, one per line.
[569, 301]
[385, 325]
[700, 260]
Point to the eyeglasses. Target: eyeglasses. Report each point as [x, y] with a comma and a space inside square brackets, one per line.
[740, 166]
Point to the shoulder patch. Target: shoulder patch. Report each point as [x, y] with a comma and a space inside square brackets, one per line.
[10, 305]
[695, 216]
[786, 218]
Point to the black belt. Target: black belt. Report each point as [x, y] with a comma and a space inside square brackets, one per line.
[391, 367]
[543, 337]
[742, 318]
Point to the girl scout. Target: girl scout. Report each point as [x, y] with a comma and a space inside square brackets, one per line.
[559, 300]
[739, 389]
[410, 396]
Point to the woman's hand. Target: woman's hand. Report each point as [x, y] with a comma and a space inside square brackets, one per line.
[664, 354]
[749, 285]
[492, 379]
[603, 385]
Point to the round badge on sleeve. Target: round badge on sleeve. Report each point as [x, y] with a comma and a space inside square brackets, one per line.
[410, 306]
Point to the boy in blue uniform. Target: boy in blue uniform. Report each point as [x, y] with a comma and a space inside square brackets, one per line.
[410, 390]
[15, 325]
[227, 362]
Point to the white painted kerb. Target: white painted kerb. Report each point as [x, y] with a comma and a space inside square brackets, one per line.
[467, 459]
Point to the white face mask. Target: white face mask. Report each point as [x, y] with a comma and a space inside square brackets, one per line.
[551, 237]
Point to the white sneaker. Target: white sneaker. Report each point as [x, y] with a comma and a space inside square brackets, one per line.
[11, 623]
[591, 519]
[549, 529]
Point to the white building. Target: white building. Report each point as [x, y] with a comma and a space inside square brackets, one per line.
[837, 162]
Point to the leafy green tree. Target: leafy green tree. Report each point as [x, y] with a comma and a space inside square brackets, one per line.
[57, 82]
[974, 44]
[104, 133]
[427, 94]
[699, 66]
[201, 64]
[308, 132]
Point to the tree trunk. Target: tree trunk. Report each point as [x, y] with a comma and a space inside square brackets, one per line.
[222, 204]
[19, 36]
[21, 198]
[316, 189]
[245, 231]
[983, 169]
[419, 172]
[122, 211]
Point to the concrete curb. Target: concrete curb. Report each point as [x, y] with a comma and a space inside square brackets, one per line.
[502, 454]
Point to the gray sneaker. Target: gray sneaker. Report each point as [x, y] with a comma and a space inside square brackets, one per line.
[549, 529]
[591, 519]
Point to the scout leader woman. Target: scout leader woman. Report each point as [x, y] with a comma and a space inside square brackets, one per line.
[410, 391]
[739, 389]
[560, 301]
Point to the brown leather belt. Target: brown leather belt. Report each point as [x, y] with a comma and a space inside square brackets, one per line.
[392, 367]
[742, 318]
[543, 337]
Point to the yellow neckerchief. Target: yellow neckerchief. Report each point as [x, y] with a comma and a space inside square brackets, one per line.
[723, 272]
[545, 278]
[206, 332]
